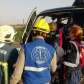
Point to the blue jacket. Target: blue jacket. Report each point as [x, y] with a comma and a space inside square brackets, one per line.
[38, 56]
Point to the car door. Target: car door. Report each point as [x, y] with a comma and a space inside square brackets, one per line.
[28, 26]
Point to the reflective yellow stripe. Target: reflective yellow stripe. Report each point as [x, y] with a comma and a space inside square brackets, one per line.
[5, 70]
[34, 69]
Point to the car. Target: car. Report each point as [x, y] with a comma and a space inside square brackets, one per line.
[63, 17]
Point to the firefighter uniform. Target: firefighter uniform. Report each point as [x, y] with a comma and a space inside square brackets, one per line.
[8, 53]
[38, 58]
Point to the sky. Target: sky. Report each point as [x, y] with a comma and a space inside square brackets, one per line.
[15, 11]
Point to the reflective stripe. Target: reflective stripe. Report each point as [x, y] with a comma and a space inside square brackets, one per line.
[34, 69]
[70, 64]
[47, 83]
[77, 59]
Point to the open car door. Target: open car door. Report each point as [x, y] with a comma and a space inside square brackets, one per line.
[28, 27]
[4, 64]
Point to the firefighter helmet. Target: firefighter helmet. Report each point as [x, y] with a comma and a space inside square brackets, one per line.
[7, 33]
[42, 25]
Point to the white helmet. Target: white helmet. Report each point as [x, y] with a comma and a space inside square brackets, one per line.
[7, 33]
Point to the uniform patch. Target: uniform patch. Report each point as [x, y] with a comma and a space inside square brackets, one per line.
[40, 54]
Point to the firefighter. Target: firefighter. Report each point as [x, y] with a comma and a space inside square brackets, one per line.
[8, 53]
[72, 70]
[37, 58]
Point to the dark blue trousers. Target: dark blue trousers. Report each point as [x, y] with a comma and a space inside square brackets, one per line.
[75, 77]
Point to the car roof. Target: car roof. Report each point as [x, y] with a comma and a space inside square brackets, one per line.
[62, 11]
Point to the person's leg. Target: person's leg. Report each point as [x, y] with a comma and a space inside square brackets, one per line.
[60, 74]
[76, 77]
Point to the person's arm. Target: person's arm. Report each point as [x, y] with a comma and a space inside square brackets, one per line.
[54, 63]
[53, 67]
[18, 68]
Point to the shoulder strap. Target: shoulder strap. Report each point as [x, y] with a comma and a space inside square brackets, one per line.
[77, 58]
[78, 54]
